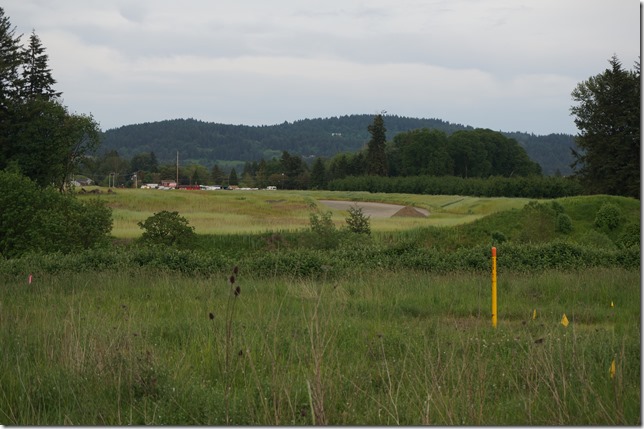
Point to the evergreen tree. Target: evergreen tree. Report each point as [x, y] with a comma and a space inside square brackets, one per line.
[232, 178]
[318, 176]
[293, 168]
[608, 118]
[261, 178]
[145, 161]
[10, 62]
[376, 157]
[216, 175]
[36, 74]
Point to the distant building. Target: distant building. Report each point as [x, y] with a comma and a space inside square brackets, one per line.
[169, 183]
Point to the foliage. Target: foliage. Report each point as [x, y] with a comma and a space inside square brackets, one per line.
[376, 157]
[35, 219]
[318, 177]
[485, 153]
[422, 353]
[39, 136]
[211, 143]
[325, 234]
[563, 223]
[607, 114]
[421, 152]
[37, 79]
[517, 187]
[166, 228]
[357, 221]
[608, 217]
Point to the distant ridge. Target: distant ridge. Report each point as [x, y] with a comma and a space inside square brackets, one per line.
[207, 143]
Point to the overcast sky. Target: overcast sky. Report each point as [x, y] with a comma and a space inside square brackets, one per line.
[508, 65]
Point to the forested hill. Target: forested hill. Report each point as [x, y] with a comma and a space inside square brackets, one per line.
[206, 143]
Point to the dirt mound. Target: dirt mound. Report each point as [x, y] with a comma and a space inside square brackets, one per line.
[408, 211]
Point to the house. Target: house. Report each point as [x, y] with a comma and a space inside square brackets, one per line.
[86, 181]
[169, 184]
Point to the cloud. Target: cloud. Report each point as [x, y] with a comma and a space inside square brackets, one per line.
[503, 64]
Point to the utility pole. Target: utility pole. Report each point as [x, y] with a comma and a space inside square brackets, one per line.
[177, 168]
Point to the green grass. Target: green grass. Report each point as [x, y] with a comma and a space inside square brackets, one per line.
[371, 348]
[237, 212]
[348, 335]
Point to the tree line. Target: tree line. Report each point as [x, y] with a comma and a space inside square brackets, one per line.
[209, 143]
[41, 145]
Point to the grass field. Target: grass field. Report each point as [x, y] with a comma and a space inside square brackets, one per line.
[365, 342]
[233, 212]
[377, 349]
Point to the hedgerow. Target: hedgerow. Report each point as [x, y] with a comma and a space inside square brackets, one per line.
[315, 263]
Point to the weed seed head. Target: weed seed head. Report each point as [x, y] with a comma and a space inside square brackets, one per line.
[236, 270]
[231, 279]
[211, 316]
[237, 291]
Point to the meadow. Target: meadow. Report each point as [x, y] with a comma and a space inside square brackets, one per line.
[377, 331]
[233, 212]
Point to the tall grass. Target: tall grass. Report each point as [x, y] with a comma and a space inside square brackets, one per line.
[371, 348]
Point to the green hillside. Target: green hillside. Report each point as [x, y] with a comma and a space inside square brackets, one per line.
[207, 143]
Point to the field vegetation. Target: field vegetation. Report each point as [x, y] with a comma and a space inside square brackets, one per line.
[277, 313]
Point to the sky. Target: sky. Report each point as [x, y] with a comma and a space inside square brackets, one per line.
[507, 65]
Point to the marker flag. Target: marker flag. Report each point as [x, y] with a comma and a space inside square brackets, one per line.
[611, 304]
[30, 278]
[534, 314]
[564, 320]
[611, 371]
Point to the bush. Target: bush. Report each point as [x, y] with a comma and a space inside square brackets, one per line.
[35, 219]
[537, 223]
[608, 217]
[357, 222]
[563, 223]
[630, 236]
[325, 234]
[166, 228]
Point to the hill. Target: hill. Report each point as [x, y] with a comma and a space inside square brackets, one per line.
[207, 143]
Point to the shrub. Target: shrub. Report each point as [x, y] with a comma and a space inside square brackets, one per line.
[498, 237]
[166, 228]
[630, 236]
[357, 222]
[537, 222]
[563, 223]
[596, 239]
[608, 217]
[325, 234]
[35, 219]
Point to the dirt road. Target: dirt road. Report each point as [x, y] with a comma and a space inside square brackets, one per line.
[374, 210]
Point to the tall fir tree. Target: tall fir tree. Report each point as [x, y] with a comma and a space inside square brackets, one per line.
[10, 62]
[217, 175]
[36, 74]
[232, 178]
[318, 174]
[376, 156]
[607, 115]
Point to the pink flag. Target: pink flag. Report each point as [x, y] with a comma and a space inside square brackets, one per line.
[30, 277]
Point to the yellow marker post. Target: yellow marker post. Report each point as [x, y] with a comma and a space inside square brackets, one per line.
[494, 287]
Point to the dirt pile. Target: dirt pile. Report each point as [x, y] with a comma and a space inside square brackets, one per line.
[408, 211]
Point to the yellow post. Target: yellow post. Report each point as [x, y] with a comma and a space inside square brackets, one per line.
[494, 287]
